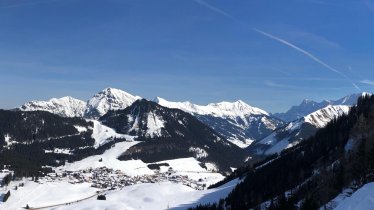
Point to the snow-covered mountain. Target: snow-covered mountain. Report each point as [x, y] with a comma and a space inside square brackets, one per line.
[222, 109]
[169, 134]
[97, 106]
[237, 121]
[308, 106]
[65, 106]
[296, 131]
[108, 99]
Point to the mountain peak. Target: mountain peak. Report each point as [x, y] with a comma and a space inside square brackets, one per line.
[307, 101]
[238, 107]
[115, 92]
[108, 99]
[66, 106]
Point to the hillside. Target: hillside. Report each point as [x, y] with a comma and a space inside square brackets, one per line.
[170, 134]
[30, 140]
[314, 172]
[295, 132]
[238, 122]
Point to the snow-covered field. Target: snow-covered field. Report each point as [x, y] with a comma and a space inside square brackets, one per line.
[109, 160]
[139, 196]
[153, 196]
[48, 193]
[191, 167]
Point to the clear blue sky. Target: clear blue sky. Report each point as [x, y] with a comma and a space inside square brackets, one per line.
[201, 51]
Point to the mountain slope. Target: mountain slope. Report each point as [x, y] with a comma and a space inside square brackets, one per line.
[108, 99]
[238, 122]
[308, 106]
[33, 139]
[170, 134]
[317, 170]
[296, 131]
[65, 106]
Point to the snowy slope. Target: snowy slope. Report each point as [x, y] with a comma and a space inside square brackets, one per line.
[298, 130]
[49, 193]
[309, 106]
[108, 99]
[237, 121]
[65, 106]
[362, 199]
[158, 196]
[109, 160]
[103, 134]
[321, 117]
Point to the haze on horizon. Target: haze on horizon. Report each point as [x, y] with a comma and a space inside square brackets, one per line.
[202, 51]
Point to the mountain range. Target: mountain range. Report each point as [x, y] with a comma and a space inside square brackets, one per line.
[294, 153]
[237, 122]
[308, 106]
[170, 134]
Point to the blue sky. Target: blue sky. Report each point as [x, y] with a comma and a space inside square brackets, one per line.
[271, 54]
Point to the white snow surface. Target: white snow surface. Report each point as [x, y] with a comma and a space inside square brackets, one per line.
[158, 196]
[221, 109]
[338, 199]
[321, 117]
[80, 128]
[362, 199]
[102, 134]
[66, 106]
[100, 103]
[49, 193]
[110, 99]
[241, 144]
[109, 160]
[155, 124]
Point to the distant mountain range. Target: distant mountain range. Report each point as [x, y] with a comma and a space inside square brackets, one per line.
[238, 122]
[294, 132]
[308, 106]
[97, 106]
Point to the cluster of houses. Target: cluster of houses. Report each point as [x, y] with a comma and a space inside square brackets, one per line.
[105, 178]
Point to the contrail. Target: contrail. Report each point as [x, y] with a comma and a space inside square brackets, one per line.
[215, 9]
[289, 44]
[308, 54]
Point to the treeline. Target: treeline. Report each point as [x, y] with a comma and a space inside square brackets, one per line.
[316, 170]
[27, 127]
[34, 133]
[28, 160]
